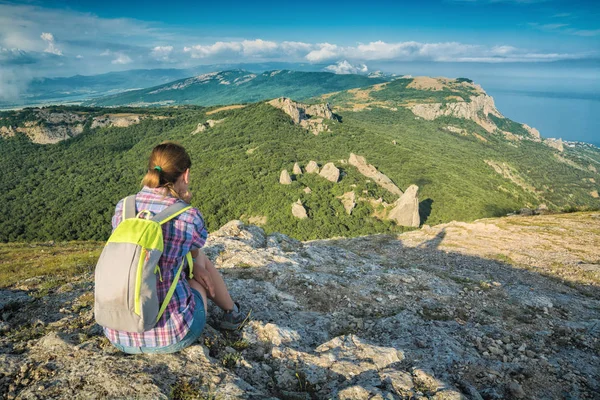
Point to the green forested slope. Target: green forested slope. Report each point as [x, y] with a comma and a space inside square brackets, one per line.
[68, 190]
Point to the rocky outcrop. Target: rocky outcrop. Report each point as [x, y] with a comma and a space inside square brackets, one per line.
[298, 210]
[307, 190]
[297, 170]
[116, 120]
[44, 134]
[406, 208]
[436, 313]
[555, 144]
[349, 201]
[310, 117]
[312, 167]
[476, 110]
[202, 126]
[284, 178]
[371, 172]
[330, 172]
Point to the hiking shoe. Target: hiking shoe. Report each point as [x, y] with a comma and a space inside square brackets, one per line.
[233, 320]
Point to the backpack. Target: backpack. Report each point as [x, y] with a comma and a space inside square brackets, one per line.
[125, 292]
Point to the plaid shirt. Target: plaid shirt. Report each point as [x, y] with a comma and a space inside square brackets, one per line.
[183, 233]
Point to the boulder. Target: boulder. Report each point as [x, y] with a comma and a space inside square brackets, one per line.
[330, 172]
[298, 210]
[349, 201]
[312, 167]
[371, 172]
[297, 170]
[406, 208]
[307, 190]
[284, 178]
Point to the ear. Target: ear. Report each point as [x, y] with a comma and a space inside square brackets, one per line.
[186, 176]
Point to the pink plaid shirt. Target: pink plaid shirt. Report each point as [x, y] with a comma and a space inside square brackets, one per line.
[182, 234]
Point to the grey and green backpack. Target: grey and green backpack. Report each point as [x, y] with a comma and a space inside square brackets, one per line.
[127, 270]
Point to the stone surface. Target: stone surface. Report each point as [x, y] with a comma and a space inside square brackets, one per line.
[371, 172]
[285, 178]
[298, 210]
[330, 172]
[297, 170]
[349, 201]
[311, 117]
[312, 167]
[307, 190]
[406, 208]
[409, 316]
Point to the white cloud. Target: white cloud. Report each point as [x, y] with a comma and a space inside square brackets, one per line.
[122, 58]
[51, 46]
[587, 32]
[325, 52]
[162, 53]
[344, 67]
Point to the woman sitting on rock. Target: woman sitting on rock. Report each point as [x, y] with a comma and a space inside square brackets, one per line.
[166, 182]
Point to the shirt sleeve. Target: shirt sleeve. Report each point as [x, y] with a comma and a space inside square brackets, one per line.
[200, 233]
[116, 219]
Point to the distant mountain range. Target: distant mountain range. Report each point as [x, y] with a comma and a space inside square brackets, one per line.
[238, 86]
[41, 91]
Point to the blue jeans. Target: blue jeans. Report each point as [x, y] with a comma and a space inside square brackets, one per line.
[194, 333]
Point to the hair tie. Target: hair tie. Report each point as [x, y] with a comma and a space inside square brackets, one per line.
[159, 169]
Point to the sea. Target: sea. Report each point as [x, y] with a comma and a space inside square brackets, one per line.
[560, 99]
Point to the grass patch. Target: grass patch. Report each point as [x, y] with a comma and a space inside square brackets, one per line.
[19, 261]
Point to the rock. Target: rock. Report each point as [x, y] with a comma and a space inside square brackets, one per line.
[354, 393]
[307, 190]
[371, 172]
[10, 298]
[515, 390]
[406, 208]
[312, 167]
[349, 201]
[251, 235]
[526, 212]
[284, 178]
[298, 210]
[555, 144]
[297, 170]
[330, 172]
[477, 110]
[309, 116]
[283, 242]
[595, 194]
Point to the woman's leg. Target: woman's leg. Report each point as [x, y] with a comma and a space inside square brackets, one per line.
[195, 285]
[221, 297]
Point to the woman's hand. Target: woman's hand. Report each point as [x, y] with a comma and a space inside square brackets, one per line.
[202, 275]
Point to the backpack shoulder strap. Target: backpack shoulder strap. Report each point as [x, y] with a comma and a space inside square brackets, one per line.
[171, 212]
[128, 207]
[169, 295]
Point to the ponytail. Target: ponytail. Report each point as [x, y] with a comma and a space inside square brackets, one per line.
[168, 161]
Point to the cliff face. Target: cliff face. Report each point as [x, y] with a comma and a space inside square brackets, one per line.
[311, 117]
[434, 313]
[49, 127]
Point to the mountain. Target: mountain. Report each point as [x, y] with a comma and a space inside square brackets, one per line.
[237, 86]
[56, 90]
[410, 151]
[499, 308]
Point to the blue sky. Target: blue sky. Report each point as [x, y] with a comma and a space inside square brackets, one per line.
[63, 38]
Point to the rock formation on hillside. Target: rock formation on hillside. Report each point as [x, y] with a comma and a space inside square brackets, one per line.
[406, 208]
[298, 210]
[330, 172]
[310, 117]
[555, 144]
[490, 309]
[202, 126]
[49, 127]
[312, 167]
[476, 110]
[297, 170]
[371, 172]
[284, 178]
[349, 201]
[307, 190]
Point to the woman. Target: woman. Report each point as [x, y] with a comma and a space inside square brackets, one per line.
[166, 182]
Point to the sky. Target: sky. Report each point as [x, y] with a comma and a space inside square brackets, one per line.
[65, 38]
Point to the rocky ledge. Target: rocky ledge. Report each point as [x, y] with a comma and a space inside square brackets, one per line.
[504, 308]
